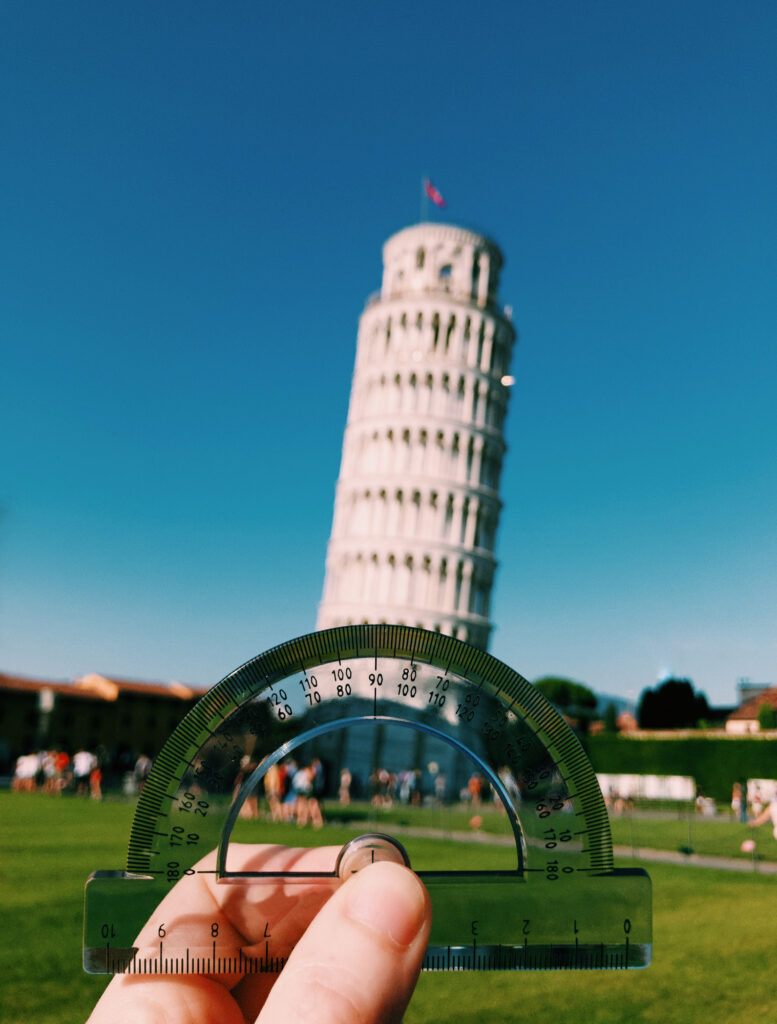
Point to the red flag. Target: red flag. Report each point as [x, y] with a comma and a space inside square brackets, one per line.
[433, 194]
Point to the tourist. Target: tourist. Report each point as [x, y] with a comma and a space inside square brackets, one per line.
[769, 813]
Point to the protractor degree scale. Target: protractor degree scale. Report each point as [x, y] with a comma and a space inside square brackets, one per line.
[380, 700]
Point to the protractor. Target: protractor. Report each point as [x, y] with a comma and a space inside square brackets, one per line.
[394, 715]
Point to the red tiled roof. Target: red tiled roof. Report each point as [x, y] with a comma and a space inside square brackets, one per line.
[72, 689]
[749, 710]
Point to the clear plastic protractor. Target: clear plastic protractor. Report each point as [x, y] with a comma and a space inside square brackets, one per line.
[388, 699]
[418, 721]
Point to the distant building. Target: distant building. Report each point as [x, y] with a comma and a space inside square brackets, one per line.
[417, 502]
[120, 716]
[747, 689]
[744, 720]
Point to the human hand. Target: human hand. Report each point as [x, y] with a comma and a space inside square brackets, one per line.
[354, 955]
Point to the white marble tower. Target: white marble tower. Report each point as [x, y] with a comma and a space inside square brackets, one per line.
[417, 501]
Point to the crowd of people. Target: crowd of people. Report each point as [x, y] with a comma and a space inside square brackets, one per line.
[413, 787]
[56, 772]
[293, 791]
[387, 788]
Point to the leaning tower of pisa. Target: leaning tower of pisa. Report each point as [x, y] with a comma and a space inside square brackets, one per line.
[417, 501]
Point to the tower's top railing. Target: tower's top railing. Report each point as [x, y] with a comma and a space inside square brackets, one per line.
[441, 259]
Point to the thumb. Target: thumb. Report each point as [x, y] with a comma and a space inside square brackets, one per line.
[360, 957]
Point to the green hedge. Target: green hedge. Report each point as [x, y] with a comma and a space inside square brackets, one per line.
[715, 763]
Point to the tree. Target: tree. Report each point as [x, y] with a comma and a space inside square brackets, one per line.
[767, 719]
[673, 704]
[610, 718]
[573, 700]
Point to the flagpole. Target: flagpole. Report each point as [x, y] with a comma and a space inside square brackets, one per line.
[424, 201]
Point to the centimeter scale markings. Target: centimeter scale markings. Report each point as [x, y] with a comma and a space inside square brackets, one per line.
[556, 902]
[451, 959]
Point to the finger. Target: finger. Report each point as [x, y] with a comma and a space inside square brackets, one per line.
[293, 908]
[252, 905]
[272, 915]
[219, 923]
[242, 913]
[174, 1000]
[359, 960]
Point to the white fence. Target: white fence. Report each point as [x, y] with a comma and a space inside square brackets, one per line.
[647, 787]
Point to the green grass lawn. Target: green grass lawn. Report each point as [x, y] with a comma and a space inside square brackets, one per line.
[677, 829]
[715, 935]
[712, 838]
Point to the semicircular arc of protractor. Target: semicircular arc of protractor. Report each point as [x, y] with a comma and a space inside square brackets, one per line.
[355, 678]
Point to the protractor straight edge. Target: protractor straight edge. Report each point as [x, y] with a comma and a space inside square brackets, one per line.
[393, 717]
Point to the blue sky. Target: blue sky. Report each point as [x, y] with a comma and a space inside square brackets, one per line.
[194, 199]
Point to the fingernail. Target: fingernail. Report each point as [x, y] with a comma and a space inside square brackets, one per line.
[388, 899]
